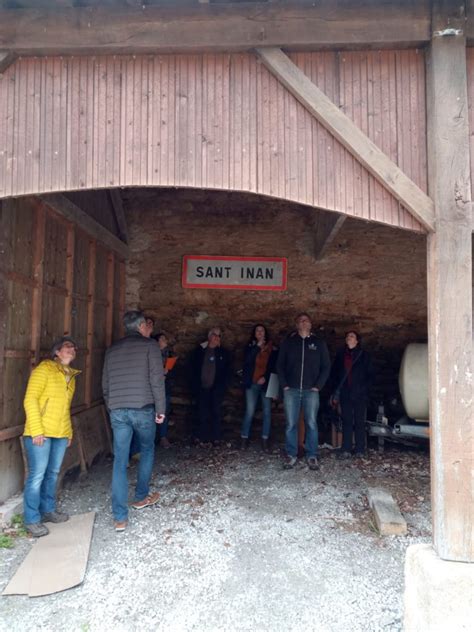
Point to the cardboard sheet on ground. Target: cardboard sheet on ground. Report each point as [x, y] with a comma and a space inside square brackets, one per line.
[57, 561]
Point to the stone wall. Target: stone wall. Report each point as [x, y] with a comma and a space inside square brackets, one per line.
[373, 278]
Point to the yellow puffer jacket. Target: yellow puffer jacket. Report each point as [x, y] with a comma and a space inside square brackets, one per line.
[48, 400]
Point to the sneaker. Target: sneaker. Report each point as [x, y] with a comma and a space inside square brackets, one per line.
[120, 525]
[244, 443]
[55, 516]
[360, 455]
[37, 529]
[164, 443]
[312, 462]
[289, 462]
[151, 499]
[343, 455]
[265, 446]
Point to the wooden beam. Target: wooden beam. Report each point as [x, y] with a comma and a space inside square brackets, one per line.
[450, 333]
[73, 213]
[11, 433]
[109, 322]
[122, 278]
[5, 262]
[90, 322]
[70, 246]
[215, 27]
[117, 205]
[38, 276]
[349, 135]
[7, 58]
[328, 227]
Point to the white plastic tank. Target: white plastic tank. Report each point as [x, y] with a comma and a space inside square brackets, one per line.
[413, 381]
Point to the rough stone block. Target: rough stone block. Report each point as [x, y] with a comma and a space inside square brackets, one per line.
[439, 595]
[387, 515]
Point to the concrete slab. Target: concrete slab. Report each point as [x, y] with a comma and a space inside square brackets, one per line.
[439, 595]
[10, 508]
[387, 515]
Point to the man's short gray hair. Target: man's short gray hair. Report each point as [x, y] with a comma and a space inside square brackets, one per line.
[132, 320]
[214, 330]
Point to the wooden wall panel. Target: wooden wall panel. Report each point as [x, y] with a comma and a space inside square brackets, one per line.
[18, 326]
[96, 383]
[216, 121]
[52, 320]
[54, 280]
[17, 372]
[81, 265]
[80, 364]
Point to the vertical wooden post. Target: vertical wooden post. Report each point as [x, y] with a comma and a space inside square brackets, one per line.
[38, 275]
[122, 295]
[90, 321]
[450, 293]
[110, 299]
[69, 279]
[4, 264]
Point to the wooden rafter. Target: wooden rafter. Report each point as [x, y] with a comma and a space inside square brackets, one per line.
[117, 205]
[214, 27]
[328, 227]
[73, 213]
[350, 136]
[6, 59]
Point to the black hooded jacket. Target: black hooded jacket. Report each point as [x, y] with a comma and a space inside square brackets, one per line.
[303, 363]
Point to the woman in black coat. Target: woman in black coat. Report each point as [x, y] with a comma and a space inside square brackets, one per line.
[259, 362]
[352, 375]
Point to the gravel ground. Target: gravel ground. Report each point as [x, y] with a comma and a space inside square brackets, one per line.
[236, 543]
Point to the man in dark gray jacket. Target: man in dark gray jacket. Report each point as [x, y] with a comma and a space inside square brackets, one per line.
[134, 392]
[303, 367]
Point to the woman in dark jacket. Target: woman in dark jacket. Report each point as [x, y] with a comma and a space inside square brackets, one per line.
[352, 376]
[259, 362]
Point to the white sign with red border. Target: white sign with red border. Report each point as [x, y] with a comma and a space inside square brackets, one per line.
[234, 273]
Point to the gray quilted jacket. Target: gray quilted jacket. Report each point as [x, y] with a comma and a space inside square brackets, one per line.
[132, 376]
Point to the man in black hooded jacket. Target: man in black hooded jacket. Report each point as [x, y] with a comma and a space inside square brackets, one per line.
[303, 367]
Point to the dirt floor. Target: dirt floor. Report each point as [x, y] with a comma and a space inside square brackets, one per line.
[235, 544]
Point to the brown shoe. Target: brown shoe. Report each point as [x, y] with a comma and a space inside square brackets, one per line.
[120, 525]
[164, 443]
[151, 499]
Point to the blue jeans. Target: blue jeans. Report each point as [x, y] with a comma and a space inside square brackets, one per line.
[44, 463]
[125, 422]
[294, 399]
[251, 400]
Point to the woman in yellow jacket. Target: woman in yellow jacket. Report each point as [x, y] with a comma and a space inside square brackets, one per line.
[48, 432]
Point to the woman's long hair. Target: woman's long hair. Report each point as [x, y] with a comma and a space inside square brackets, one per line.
[253, 338]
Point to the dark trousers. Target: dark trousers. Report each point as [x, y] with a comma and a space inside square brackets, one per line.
[210, 402]
[353, 419]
